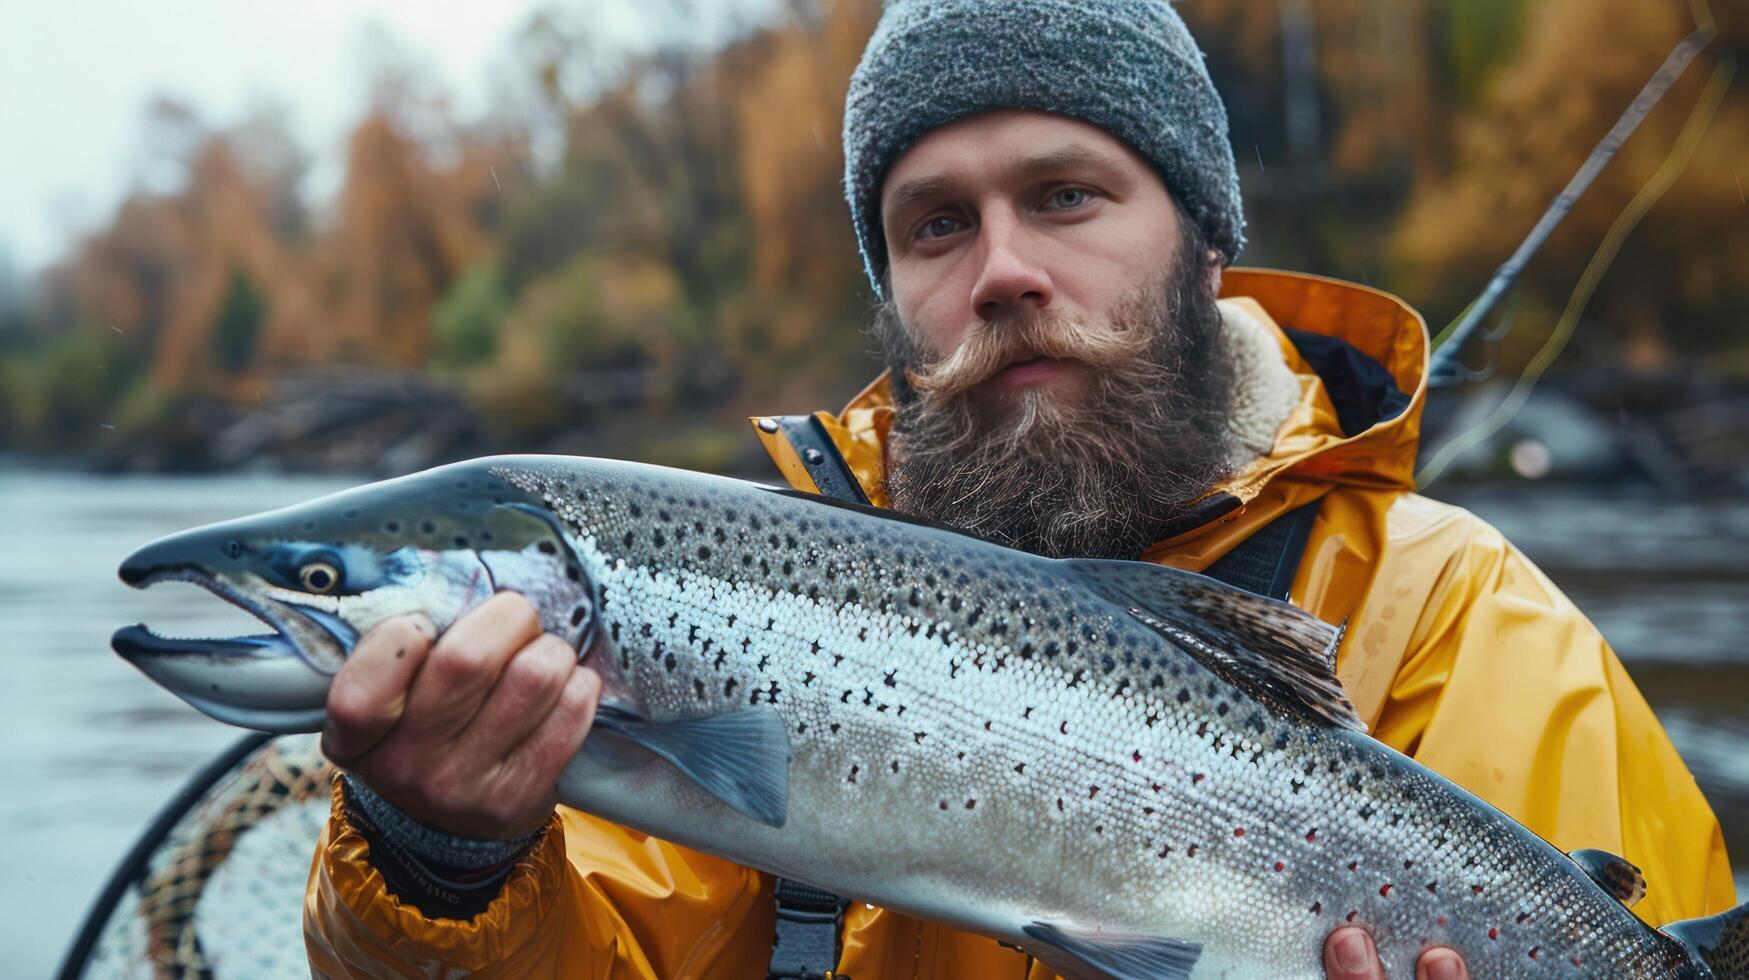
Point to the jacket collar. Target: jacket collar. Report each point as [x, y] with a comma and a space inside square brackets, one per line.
[1359, 354]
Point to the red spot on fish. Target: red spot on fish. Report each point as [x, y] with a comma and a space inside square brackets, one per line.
[1575, 961]
[1238, 831]
[1137, 756]
[1442, 920]
[1385, 890]
[1197, 778]
[1279, 866]
[1533, 950]
[1475, 889]
[1354, 865]
[1493, 933]
[1311, 835]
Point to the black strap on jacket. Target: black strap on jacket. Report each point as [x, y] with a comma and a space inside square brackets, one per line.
[810, 921]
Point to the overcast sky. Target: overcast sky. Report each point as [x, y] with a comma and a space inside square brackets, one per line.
[75, 78]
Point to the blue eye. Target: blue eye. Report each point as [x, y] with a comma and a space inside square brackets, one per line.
[1070, 198]
[939, 227]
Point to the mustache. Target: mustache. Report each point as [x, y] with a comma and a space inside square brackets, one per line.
[992, 345]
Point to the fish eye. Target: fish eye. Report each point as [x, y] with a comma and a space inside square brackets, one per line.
[319, 577]
[233, 549]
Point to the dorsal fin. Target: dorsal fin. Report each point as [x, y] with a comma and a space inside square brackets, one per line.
[1277, 653]
[1613, 873]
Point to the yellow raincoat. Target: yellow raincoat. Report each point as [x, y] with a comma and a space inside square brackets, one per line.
[1459, 653]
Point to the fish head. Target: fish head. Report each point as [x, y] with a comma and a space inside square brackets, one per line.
[322, 573]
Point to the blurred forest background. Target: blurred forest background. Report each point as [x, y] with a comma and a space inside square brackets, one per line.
[645, 247]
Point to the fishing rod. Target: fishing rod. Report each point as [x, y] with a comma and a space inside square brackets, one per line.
[1445, 369]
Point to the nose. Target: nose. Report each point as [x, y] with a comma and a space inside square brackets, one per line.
[1010, 277]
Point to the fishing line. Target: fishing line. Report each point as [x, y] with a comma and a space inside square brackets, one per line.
[1441, 369]
[1675, 162]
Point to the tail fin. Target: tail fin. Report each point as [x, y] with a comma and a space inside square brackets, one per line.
[1720, 941]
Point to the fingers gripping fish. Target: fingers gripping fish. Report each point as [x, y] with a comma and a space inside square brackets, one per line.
[1127, 770]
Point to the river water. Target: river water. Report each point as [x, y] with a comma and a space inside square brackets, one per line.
[89, 749]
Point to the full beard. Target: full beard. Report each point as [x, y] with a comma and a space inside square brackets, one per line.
[1094, 473]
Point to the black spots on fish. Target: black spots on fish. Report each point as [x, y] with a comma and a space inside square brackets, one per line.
[1059, 804]
[668, 662]
[894, 765]
[1255, 723]
[1152, 719]
[918, 737]
[427, 527]
[1354, 780]
[845, 697]
[770, 623]
[1064, 727]
[1354, 866]
[1397, 818]
[698, 688]
[1107, 663]
[960, 755]
[808, 678]
[1280, 741]
[1366, 811]
[942, 804]
[987, 725]
[1523, 917]
[970, 803]
[1092, 791]
[704, 553]
[729, 688]
[1026, 651]
[1075, 681]
[1311, 767]
[1317, 908]
[1190, 851]
[1183, 695]
[1027, 713]
[1432, 888]
[1222, 708]
[1020, 768]
[1351, 916]
[834, 727]
[853, 771]
[1202, 729]
[953, 668]
[867, 696]
[659, 538]
[663, 515]
[889, 679]
[973, 616]
[764, 660]
[579, 614]
[547, 548]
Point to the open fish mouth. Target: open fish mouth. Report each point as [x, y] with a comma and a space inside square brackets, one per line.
[261, 681]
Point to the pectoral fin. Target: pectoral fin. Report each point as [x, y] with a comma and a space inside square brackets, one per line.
[1084, 954]
[741, 758]
[1614, 874]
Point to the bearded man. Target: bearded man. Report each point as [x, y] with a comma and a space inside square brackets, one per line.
[1047, 205]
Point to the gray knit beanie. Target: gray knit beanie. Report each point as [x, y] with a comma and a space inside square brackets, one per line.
[1129, 67]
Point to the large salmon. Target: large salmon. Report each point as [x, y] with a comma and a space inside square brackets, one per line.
[1127, 770]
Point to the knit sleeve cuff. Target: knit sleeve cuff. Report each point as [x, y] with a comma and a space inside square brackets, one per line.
[442, 874]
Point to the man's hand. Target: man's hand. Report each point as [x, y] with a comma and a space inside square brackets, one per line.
[467, 734]
[1349, 955]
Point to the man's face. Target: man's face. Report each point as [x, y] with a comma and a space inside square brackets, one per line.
[1057, 359]
[1010, 213]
